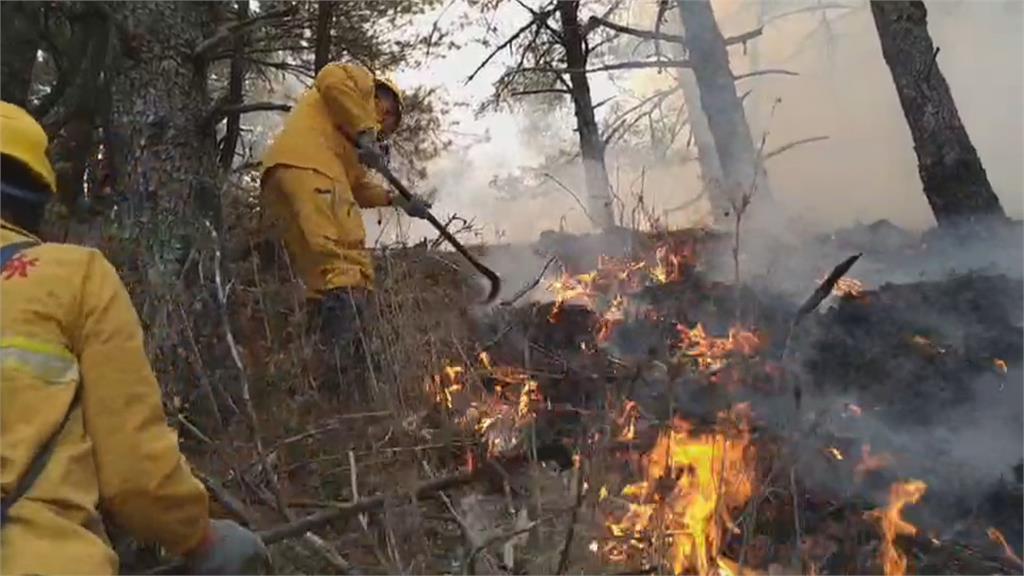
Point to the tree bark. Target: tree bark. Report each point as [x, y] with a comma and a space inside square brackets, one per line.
[599, 192]
[19, 44]
[163, 154]
[324, 19]
[953, 177]
[742, 171]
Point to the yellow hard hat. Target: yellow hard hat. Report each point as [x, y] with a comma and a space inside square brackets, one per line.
[389, 85]
[23, 139]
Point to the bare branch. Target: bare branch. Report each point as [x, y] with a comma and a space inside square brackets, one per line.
[634, 65]
[227, 32]
[765, 72]
[540, 16]
[792, 145]
[816, 8]
[540, 91]
[595, 21]
[745, 37]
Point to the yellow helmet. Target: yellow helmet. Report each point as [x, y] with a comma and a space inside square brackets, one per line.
[389, 85]
[23, 139]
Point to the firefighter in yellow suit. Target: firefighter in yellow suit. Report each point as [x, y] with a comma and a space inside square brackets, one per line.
[315, 180]
[84, 436]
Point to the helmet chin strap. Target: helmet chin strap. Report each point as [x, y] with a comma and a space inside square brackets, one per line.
[11, 190]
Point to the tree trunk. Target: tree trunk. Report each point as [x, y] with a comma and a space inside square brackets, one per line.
[707, 156]
[324, 19]
[742, 172]
[599, 190]
[236, 85]
[954, 179]
[163, 152]
[19, 44]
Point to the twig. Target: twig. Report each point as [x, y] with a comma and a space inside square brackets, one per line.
[563, 559]
[595, 21]
[225, 33]
[527, 288]
[630, 65]
[469, 566]
[765, 72]
[192, 428]
[235, 506]
[791, 145]
[796, 516]
[538, 18]
[301, 526]
[574, 197]
[744, 37]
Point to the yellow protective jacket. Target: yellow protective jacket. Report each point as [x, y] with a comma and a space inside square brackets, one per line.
[66, 322]
[321, 129]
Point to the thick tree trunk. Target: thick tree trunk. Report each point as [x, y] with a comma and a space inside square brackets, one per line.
[163, 152]
[954, 179]
[707, 156]
[599, 191]
[19, 44]
[742, 172]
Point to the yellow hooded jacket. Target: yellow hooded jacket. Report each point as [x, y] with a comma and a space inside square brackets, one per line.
[66, 322]
[324, 231]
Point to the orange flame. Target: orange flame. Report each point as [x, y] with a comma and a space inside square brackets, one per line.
[835, 453]
[894, 562]
[711, 473]
[713, 353]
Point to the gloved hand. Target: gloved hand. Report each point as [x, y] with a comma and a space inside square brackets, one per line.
[228, 548]
[371, 153]
[416, 208]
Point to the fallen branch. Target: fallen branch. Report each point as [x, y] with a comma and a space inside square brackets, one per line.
[301, 526]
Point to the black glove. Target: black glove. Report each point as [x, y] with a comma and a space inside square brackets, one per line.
[371, 154]
[415, 208]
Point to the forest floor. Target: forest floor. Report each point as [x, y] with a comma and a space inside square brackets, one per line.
[637, 412]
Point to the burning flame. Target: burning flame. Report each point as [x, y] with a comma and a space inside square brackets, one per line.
[713, 353]
[894, 562]
[691, 481]
[499, 416]
[835, 453]
[997, 537]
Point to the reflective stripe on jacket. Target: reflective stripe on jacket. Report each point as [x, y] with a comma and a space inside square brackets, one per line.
[66, 321]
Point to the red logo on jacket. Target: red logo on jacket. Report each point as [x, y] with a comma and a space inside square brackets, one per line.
[18, 267]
